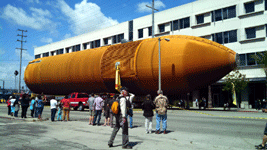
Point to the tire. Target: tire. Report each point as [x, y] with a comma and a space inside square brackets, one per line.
[81, 107]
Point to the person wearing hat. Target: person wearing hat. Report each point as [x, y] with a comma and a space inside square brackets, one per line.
[121, 121]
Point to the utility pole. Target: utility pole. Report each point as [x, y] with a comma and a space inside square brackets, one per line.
[21, 48]
[152, 16]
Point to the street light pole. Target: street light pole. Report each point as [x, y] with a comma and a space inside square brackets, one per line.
[152, 16]
[160, 91]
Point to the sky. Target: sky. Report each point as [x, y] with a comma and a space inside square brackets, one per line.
[48, 21]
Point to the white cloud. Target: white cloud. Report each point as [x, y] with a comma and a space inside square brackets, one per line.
[39, 19]
[141, 7]
[66, 36]
[85, 17]
[25, 55]
[33, 1]
[47, 40]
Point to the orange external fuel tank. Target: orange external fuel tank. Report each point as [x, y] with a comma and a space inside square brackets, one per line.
[187, 63]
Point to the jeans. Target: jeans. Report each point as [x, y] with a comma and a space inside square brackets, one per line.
[130, 118]
[53, 113]
[162, 118]
[97, 114]
[59, 114]
[148, 124]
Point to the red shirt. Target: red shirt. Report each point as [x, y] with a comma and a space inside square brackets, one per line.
[8, 103]
[65, 102]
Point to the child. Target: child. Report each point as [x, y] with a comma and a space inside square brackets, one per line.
[59, 117]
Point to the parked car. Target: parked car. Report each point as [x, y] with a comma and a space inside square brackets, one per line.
[78, 100]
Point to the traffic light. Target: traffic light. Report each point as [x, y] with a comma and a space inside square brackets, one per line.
[16, 73]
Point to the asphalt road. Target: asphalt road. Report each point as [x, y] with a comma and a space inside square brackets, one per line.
[186, 130]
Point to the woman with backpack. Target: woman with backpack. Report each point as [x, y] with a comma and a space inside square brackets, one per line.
[147, 107]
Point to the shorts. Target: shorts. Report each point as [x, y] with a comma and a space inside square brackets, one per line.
[265, 130]
[91, 113]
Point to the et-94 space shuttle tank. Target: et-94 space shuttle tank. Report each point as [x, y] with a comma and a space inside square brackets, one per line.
[187, 63]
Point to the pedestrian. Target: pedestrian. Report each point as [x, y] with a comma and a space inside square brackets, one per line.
[17, 106]
[111, 113]
[205, 102]
[66, 108]
[59, 114]
[130, 97]
[107, 110]
[12, 105]
[36, 108]
[24, 105]
[196, 102]
[40, 105]
[9, 105]
[121, 121]
[32, 106]
[264, 140]
[98, 107]
[90, 102]
[53, 106]
[161, 103]
[147, 107]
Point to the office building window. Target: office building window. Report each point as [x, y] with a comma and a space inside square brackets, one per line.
[67, 50]
[218, 15]
[219, 38]
[92, 44]
[249, 7]
[114, 39]
[52, 53]
[266, 29]
[78, 47]
[149, 31]
[46, 54]
[232, 36]
[200, 19]
[226, 37]
[162, 28]
[120, 37]
[242, 58]
[184, 23]
[60, 51]
[229, 12]
[97, 43]
[131, 30]
[37, 56]
[140, 33]
[250, 59]
[106, 41]
[84, 45]
[251, 33]
[265, 4]
[175, 25]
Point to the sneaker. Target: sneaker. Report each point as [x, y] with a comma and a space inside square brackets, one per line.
[260, 146]
[127, 147]
[164, 132]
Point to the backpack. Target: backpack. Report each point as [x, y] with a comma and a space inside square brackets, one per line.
[115, 107]
[161, 106]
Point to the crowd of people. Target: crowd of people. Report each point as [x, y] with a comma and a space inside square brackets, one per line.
[98, 104]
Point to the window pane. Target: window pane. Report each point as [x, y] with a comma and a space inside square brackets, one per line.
[140, 33]
[67, 50]
[120, 37]
[226, 37]
[130, 36]
[181, 23]
[162, 28]
[106, 41]
[84, 45]
[175, 25]
[149, 31]
[78, 47]
[265, 4]
[37, 56]
[186, 22]
[232, 36]
[200, 19]
[114, 39]
[97, 43]
[73, 49]
[219, 38]
[232, 12]
[212, 16]
[251, 61]
[251, 33]
[225, 13]
[218, 15]
[92, 44]
[213, 37]
[242, 58]
[249, 7]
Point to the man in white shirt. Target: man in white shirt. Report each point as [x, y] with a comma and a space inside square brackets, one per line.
[53, 106]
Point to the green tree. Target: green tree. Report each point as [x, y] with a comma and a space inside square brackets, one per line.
[240, 82]
[261, 58]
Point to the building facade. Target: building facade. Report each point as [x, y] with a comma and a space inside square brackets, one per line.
[240, 25]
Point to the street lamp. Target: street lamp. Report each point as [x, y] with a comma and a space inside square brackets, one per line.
[160, 91]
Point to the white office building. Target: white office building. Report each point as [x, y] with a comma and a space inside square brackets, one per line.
[240, 25]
